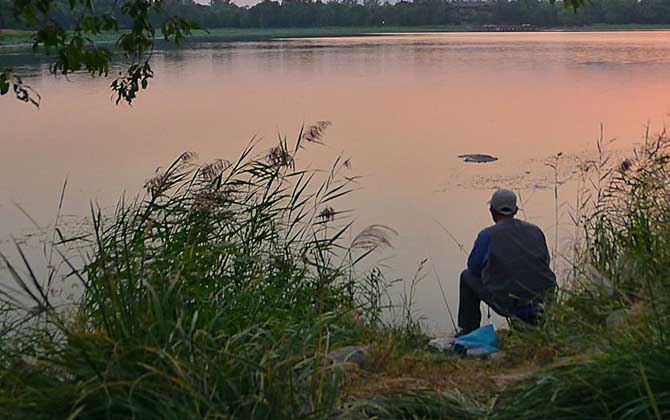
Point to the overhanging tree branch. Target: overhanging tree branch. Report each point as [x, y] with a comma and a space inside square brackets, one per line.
[76, 51]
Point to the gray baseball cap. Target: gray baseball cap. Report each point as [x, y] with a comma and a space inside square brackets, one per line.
[504, 202]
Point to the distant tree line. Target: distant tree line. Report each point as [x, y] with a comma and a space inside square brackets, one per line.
[309, 13]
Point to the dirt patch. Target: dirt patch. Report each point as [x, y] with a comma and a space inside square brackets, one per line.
[391, 371]
[413, 373]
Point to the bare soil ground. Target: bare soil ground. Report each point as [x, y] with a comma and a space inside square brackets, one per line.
[390, 371]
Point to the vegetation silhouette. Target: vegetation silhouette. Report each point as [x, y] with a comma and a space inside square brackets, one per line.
[69, 31]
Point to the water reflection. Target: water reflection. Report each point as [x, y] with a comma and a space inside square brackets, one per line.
[403, 107]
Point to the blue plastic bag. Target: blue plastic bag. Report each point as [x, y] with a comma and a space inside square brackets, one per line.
[480, 341]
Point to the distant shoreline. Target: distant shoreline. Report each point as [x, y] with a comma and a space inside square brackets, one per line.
[10, 37]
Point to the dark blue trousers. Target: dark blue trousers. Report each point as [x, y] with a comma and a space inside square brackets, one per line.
[471, 293]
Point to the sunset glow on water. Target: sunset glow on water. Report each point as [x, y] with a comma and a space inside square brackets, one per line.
[403, 107]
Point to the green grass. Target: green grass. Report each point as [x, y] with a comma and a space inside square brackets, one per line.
[590, 368]
[259, 34]
[11, 37]
[620, 371]
[272, 33]
[216, 295]
[610, 27]
[14, 37]
[219, 293]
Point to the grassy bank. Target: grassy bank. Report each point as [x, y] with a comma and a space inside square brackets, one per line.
[222, 292]
[609, 333]
[609, 27]
[13, 37]
[602, 350]
[216, 295]
[254, 34]
[259, 34]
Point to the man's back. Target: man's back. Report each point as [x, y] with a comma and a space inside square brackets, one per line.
[518, 263]
[508, 268]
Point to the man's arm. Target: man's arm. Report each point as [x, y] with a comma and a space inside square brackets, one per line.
[479, 254]
[545, 251]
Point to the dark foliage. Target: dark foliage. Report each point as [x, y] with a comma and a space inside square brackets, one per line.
[68, 30]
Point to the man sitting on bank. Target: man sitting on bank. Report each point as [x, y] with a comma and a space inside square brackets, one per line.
[508, 268]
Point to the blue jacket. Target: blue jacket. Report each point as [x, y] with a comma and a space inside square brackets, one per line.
[480, 253]
[512, 259]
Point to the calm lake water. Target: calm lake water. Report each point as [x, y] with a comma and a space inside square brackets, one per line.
[402, 106]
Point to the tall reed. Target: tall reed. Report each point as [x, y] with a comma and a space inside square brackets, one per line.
[615, 315]
[214, 295]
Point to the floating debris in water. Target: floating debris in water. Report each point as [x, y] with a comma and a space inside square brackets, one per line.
[478, 158]
[526, 174]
